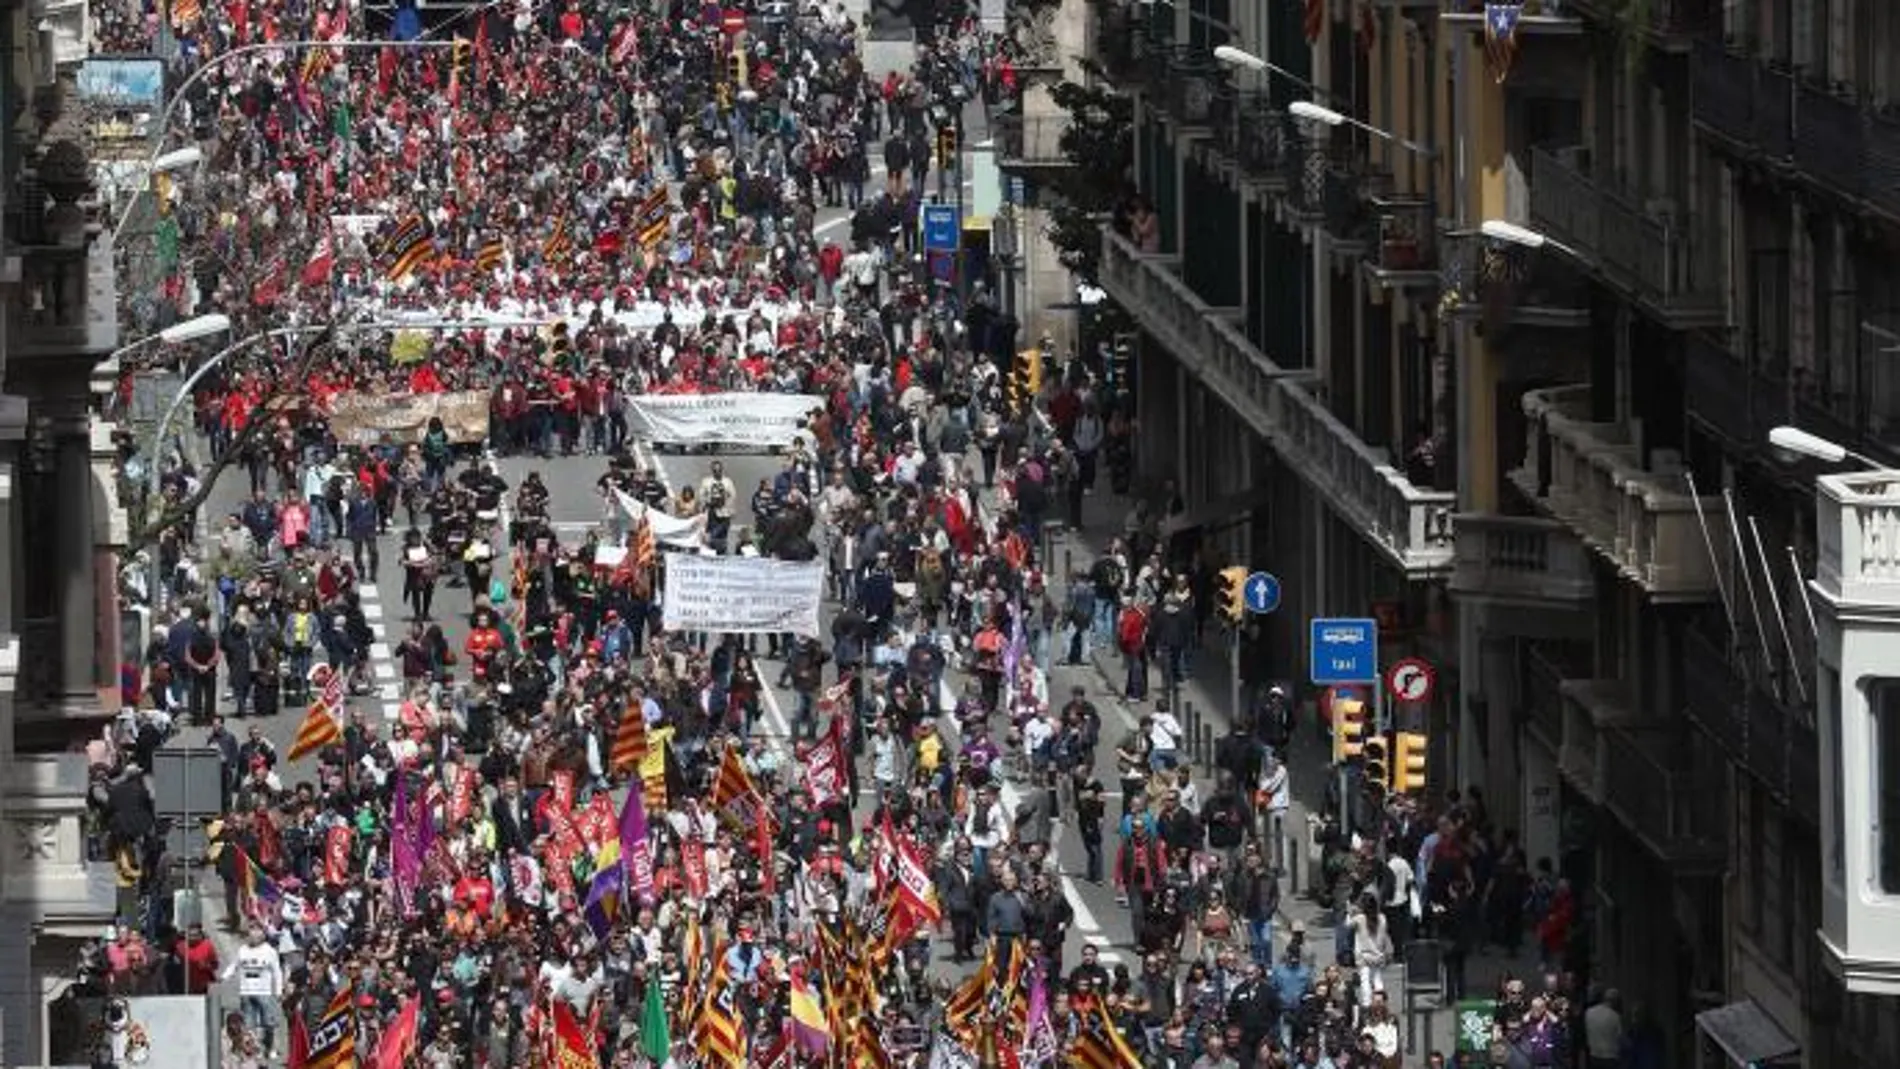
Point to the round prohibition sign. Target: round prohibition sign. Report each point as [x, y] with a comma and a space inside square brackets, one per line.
[1411, 680]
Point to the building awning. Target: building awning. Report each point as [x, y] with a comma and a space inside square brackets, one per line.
[1746, 1033]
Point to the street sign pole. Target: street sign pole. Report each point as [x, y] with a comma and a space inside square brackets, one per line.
[1346, 651]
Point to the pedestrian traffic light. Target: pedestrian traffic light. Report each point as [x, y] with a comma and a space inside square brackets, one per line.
[1349, 728]
[1408, 762]
[1376, 765]
[1233, 594]
[946, 146]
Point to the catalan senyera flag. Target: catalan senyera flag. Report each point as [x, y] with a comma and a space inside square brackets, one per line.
[962, 1015]
[186, 12]
[867, 1046]
[719, 1034]
[732, 783]
[630, 739]
[419, 251]
[319, 729]
[333, 1040]
[653, 220]
[560, 242]
[492, 255]
[1099, 1045]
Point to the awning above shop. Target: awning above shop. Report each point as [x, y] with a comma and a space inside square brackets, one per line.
[1746, 1034]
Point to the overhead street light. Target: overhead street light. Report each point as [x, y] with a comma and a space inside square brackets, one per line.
[1314, 112]
[1513, 234]
[1814, 447]
[192, 329]
[1245, 60]
[177, 160]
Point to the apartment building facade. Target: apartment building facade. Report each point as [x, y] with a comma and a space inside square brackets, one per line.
[1543, 461]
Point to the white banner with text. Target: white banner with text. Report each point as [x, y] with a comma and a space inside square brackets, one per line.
[741, 595]
[757, 419]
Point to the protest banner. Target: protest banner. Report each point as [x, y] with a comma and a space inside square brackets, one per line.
[668, 529]
[363, 418]
[742, 595]
[755, 419]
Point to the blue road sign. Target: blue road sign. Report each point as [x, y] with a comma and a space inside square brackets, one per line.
[940, 227]
[1262, 593]
[1345, 651]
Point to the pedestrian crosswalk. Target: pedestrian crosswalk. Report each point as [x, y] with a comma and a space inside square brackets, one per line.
[382, 656]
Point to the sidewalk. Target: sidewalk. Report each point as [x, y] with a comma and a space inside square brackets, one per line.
[1429, 1025]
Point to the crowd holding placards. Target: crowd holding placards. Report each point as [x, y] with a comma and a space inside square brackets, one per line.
[575, 841]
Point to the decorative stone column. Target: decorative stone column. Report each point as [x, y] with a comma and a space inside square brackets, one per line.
[78, 600]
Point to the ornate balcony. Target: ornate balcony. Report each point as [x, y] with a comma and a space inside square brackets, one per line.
[1118, 40]
[1505, 286]
[1194, 87]
[1031, 143]
[1742, 101]
[1664, 22]
[1404, 253]
[1729, 697]
[1652, 789]
[1257, 139]
[1830, 140]
[1520, 560]
[1411, 525]
[1661, 261]
[1590, 476]
[52, 866]
[1589, 707]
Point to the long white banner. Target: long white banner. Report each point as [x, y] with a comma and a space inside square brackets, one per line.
[741, 595]
[757, 419]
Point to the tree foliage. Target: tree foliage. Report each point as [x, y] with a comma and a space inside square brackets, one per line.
[1100, 143]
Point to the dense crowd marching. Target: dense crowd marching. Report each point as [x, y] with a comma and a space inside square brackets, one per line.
[577, 844]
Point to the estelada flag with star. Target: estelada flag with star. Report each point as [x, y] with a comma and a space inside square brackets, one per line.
[1500, 37]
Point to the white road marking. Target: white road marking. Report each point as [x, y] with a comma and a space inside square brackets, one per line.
[382, 658]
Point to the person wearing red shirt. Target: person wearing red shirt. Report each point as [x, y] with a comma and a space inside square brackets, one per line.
[484, 642]
[197, 956]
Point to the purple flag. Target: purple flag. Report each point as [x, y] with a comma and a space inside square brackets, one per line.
[636, 853]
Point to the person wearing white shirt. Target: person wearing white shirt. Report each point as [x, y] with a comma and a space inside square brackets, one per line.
[1164, 738]
[260, 975]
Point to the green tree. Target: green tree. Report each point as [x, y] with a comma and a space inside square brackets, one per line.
[1100, 143]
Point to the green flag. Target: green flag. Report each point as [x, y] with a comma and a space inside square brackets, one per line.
[656, 1041]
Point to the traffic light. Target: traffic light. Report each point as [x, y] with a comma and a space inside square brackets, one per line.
[1233, 594]
[1349, 728]
[946, 146]
[1025, 380]
[1376, 765]
[735, 67]
[1408, 762]
[458, 55]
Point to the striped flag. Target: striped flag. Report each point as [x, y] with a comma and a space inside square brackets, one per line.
[255, 887]
[332, 1044]
[1099, 1045]
[492, 255]
[186, 12]
[719, 1034]
[1500, 37]
[963, 1013]
[654, 218]
[319, 729]
[630, 739]
[655, 792]
[559, 243]
[732, 787]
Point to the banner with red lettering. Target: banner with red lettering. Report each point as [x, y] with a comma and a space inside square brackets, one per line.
[336, 856]
[693, 861]
[598, 822]
[824, 768]
[462, 802]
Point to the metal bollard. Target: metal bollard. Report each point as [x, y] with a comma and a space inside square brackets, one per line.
[1068, 562]
[1206, 740]
[1191, 728]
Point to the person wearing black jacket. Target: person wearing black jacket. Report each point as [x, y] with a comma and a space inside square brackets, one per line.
[1225, 817]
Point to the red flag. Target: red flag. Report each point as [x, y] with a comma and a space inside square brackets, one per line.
[299, 1042]
[481, 45]
[336, 856]
[462, 803]
[399, 1042]
[573, 1047]
[386, 62]
[322, 260]
[768, 871]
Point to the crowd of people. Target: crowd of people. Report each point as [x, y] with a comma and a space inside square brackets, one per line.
[578, 842]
